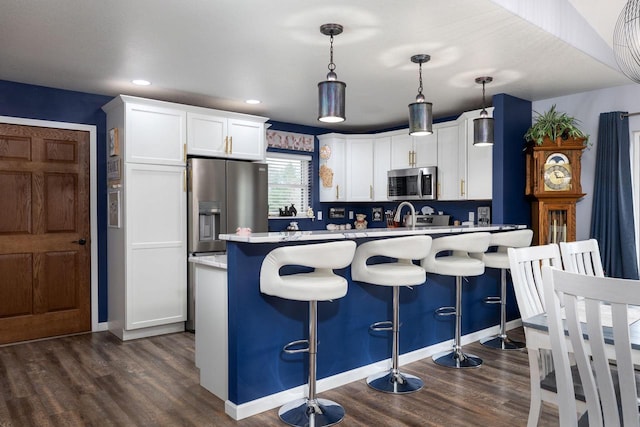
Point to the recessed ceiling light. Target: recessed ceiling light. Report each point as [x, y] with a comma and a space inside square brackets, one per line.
[141, 82]
[252, 101]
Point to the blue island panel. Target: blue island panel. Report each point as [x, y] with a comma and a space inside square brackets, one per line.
[260, 325]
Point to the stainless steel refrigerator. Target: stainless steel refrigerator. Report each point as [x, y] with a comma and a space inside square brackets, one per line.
[222, 196]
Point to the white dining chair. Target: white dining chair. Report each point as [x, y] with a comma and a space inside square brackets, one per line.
[582, 257]
[605, 405]
[525, 264]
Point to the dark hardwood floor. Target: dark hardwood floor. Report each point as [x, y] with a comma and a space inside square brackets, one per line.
[97, 380]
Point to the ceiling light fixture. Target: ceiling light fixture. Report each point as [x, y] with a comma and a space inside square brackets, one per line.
[483, 125]
[420, 112]
[252, 101]
[141, 82]
[626, 45]
[331, 92]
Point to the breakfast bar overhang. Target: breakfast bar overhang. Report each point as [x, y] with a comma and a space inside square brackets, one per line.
[261, 376]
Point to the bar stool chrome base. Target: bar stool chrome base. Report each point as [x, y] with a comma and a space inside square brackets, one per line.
[457, 359]
[502, 343]
[316, 412]
[395, 382]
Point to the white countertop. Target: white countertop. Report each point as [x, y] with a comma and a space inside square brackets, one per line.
[311, 235]
[218, 260]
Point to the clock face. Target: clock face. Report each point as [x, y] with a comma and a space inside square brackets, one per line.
[557, 173]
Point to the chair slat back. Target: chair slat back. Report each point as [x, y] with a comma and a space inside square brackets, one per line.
[598, 294]
[525, 264]
[582, 257]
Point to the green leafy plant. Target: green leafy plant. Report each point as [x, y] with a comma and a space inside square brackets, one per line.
[553, 124]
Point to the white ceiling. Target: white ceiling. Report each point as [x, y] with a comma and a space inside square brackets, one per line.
[217, 53]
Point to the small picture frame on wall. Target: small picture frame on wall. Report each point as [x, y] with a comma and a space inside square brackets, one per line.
[377, 214]
[113, 169]
[113, 202]
[114, 144]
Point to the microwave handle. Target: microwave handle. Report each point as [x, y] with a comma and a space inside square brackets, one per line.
[420, 174]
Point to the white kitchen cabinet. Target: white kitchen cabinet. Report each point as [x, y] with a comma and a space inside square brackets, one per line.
[381, 165]
[413, 151]
[464, 170]
[156, 249]
[154, 132]
[479, 161]
[212, 337]
[359, 168]
[146, 250]
[332, 169]
[218, 135]
[449, 185]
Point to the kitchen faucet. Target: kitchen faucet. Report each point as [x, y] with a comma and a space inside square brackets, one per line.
[413, 214]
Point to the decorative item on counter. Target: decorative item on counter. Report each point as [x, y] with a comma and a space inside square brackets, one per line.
[243, 231]
[292, 210]
[361, 222]
[310, 213]
[389, 218]
[293, 226]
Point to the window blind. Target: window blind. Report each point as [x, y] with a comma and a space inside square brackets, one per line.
[289, 182]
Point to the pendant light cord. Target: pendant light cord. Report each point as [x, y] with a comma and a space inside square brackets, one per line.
[331, 66]
[420, 79]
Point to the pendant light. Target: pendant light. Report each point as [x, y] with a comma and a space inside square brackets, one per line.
[331, 92]
[483, 125]
[420, 112]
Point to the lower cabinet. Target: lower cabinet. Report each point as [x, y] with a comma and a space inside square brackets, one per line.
[211, 329]
[147, 254]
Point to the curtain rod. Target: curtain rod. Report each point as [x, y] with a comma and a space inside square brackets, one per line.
[628, 115]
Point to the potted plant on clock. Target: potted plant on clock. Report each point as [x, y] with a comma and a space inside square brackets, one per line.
[555, 127]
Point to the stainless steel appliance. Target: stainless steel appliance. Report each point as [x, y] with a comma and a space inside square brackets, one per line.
[412, 183]
[222, 196]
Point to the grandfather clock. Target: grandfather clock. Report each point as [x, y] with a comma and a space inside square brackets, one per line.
[553, 184]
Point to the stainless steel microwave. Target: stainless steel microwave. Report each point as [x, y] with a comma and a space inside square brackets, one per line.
[412, 183]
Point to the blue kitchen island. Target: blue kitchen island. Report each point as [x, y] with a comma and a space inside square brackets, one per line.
[261, 376]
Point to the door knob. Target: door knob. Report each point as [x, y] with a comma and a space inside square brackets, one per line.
[80, 242]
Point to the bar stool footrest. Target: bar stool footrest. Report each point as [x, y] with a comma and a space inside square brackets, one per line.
[492, 300]
[385, 325]
[289, 350]
[317, 412]
[446, 311]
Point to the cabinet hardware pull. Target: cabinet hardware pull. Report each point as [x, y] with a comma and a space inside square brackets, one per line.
[184, 153]
[337, 192]
[230, 145]
[371, 192]
[226, 144]
[184, 180]
[462, 187]
[438, 191]
[410, 157]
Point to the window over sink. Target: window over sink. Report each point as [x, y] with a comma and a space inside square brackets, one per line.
[289, 182]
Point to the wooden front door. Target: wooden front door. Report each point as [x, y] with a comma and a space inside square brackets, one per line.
[45, 286]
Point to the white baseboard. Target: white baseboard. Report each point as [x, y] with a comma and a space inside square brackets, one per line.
[245, 410]
[101, 326]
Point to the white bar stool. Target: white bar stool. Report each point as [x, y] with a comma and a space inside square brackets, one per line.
[457, 264]
[321, 284]
[500, 259]
[401, 272]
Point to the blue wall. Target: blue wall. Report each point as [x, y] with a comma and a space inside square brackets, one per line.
[43, 103]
